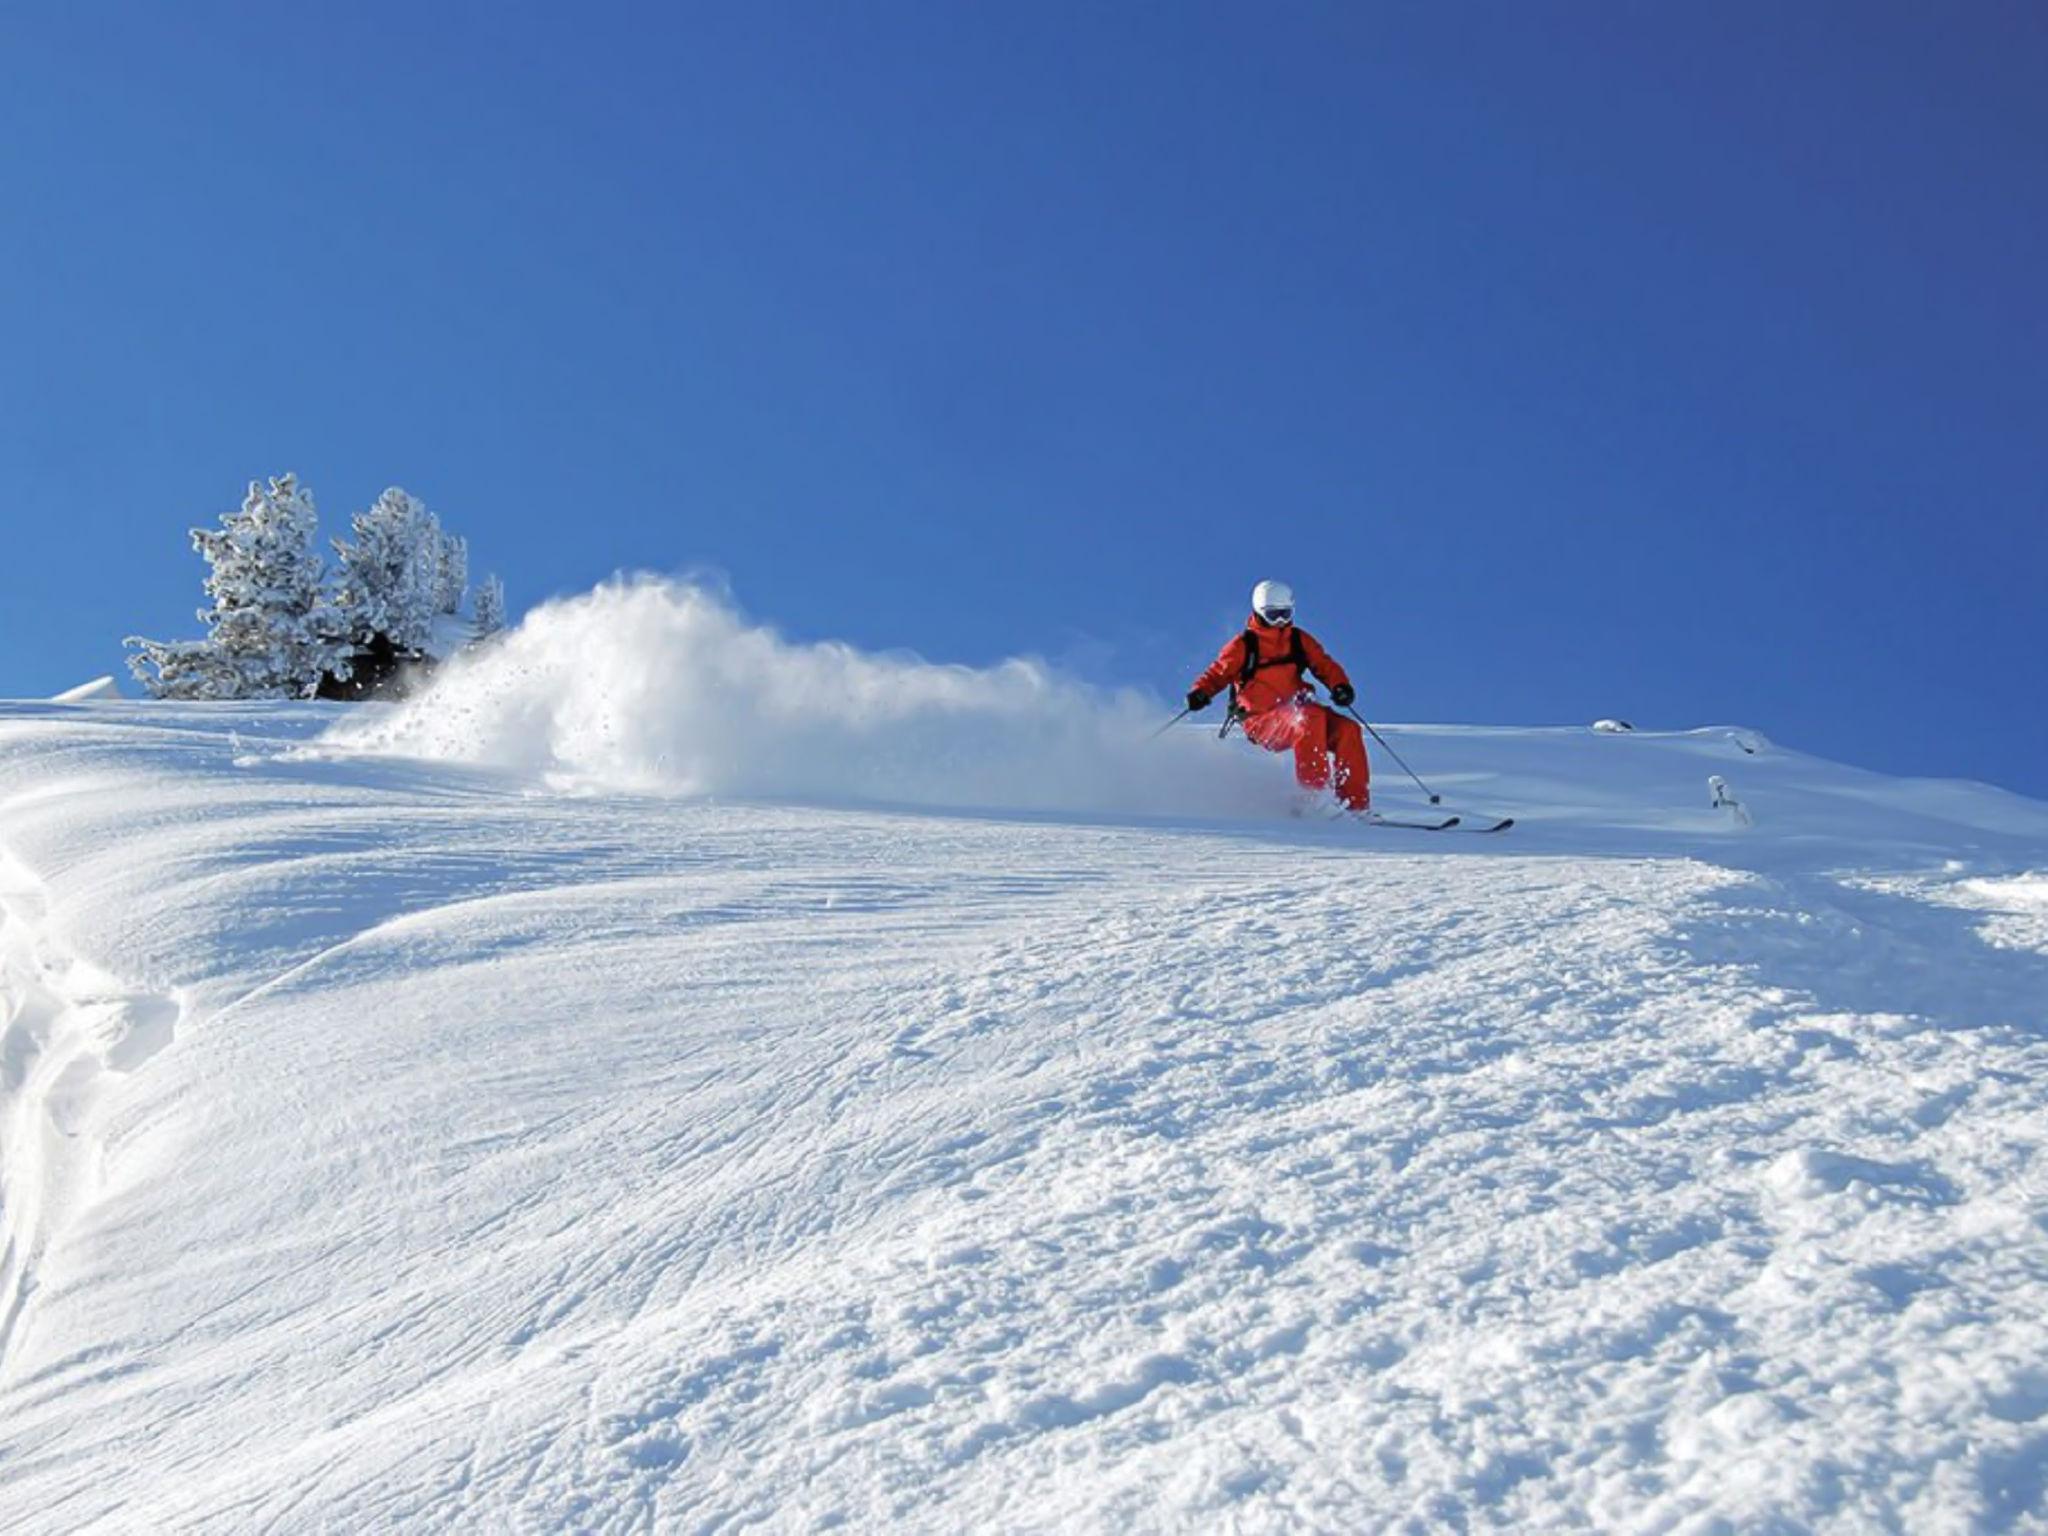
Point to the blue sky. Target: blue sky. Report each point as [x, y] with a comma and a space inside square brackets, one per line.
[1683, 363]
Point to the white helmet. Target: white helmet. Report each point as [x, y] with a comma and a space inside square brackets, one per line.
[1273, 601]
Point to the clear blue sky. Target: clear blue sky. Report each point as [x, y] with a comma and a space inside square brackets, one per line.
[1687, 363]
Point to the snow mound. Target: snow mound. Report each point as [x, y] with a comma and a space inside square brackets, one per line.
[647, 685]
[86, 693]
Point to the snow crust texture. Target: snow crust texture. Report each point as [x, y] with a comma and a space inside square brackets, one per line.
[393, 1142]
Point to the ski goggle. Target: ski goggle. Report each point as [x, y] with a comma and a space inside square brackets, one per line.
[1277, 615]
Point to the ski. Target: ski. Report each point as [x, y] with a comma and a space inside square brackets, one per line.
[1372, 820]
[1447, 824]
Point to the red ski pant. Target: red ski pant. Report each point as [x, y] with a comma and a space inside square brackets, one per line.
[1316, 734]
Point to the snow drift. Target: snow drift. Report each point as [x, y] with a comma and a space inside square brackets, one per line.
[86, 693]
[658, 686]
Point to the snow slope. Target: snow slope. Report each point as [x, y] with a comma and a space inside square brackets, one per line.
[465, 1140]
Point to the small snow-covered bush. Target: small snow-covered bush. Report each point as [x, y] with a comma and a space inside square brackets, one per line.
[451, 578]
[270, 631]
[387, 581]
[490, 607]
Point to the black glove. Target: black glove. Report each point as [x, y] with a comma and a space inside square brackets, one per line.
[1197, 701]
[1342, 695]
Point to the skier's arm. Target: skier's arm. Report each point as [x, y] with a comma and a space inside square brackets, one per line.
[1224, 670]
[1323, 664]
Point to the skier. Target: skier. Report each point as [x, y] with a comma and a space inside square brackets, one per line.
[1270, 697]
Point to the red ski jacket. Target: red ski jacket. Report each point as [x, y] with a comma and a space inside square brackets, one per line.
[1273, 675]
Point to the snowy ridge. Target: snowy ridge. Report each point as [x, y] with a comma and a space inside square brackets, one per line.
[467, 1153]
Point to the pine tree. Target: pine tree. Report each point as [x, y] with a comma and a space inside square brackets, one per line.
[270, 633]
[451, 579]
[490, 607]
[387, 580]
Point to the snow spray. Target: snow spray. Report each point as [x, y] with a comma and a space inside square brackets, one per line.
[662, 686]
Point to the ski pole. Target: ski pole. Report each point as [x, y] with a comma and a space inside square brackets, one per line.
[1176, 720]
[1434, 798]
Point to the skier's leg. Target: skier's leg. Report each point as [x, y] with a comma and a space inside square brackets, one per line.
[1354, 772]
[1311, 747]
[1291, 727]
[1272, 729]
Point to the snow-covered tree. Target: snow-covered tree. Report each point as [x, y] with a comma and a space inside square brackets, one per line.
[270, 633]
[451, 578]
[490, 607]
[182, 669]
[387, 580]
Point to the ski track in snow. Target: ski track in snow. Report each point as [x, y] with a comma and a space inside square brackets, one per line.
[453, 1155]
